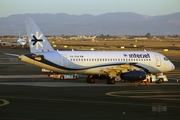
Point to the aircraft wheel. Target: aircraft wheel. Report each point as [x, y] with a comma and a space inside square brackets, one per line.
[92, 80]
[111, 81]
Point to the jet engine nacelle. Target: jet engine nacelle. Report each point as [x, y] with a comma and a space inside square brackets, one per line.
[133, 76]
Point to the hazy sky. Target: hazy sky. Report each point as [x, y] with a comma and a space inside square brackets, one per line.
[94, 7]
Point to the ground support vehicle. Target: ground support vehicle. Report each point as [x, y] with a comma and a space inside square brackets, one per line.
[158, 78]
[63, 76]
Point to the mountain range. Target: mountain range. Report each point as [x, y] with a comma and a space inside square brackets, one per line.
[120, 23]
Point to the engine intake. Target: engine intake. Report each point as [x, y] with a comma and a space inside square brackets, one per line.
[133, 76]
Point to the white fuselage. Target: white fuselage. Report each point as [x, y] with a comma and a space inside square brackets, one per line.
[22, 42]
[99, 62]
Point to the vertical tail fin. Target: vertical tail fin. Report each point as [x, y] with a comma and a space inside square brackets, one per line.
[37, 41]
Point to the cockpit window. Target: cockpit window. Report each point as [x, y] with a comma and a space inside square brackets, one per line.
[166, 59]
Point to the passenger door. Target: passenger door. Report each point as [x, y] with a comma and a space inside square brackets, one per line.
[158, 60]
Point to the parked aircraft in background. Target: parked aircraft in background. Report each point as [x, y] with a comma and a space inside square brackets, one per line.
[15, 44]
[82, 37]
[90, 38]
[128, 65]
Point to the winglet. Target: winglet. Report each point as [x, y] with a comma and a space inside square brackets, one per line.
[37, 41]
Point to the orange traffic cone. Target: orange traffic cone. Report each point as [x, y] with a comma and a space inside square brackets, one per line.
[146, 81]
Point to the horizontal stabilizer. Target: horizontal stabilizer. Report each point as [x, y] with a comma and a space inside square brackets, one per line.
[11, 54]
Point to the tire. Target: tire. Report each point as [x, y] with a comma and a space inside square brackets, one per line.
[74, 77]
[92, 80]
[111, 81]
[62, 77]
[161, 80]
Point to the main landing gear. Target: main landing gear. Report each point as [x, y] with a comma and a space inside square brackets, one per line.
[111, 81]
[92, 79]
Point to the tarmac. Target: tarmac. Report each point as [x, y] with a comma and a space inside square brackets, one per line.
[27, 94]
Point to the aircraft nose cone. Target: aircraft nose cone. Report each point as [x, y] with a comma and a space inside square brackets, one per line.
[173, 67]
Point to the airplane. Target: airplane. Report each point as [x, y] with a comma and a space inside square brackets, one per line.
[89, 37]
[128, 65]
[76, 37]
[82, 37]
[14, 44]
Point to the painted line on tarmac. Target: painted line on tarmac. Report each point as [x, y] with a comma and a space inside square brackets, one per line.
[86, 101]
[61, 84]
[75, 84]
[5, 102]
[79, 101]
[24, 76]
[146, 94]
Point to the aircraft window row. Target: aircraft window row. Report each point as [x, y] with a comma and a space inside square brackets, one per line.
[110, 59]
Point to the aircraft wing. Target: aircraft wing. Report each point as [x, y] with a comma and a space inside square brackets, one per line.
[123, 68]
[9, 43]
[4, 43]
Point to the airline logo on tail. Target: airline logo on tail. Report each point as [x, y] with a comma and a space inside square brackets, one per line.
[37, 40]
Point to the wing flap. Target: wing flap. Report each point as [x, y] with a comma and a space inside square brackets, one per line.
[114, 70]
